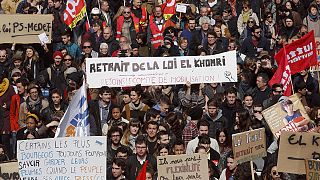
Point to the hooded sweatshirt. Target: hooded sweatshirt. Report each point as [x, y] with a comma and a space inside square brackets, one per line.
[219, 122]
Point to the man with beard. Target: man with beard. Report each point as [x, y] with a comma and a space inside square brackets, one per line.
[253, 45]
[114, 135]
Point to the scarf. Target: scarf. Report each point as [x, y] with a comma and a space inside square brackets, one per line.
[313, 17]
[246, 15]
[34, 106]
[136, 108]
[4, 85]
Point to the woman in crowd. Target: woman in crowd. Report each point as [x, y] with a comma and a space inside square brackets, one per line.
[224, 141]
[130, 135]
[32, 63]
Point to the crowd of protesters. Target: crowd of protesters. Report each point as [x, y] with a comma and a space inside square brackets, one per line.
[141, 123]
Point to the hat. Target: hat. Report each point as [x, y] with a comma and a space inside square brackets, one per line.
[95, 11]
[196, 113]
[57, 53]
[69, 71]
[15, 70]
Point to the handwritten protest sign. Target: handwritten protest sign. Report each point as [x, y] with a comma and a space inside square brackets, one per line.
[312, 169]
[182, 8]
[9, 170]
[22, 28]
[294, 148]
[129, 71]
[63, 158]
[182, 167]
[288, 115]
[318, 48]
[249, 145]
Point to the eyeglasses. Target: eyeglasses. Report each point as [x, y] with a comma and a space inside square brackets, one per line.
[259, 32]
[269, 16]
[250, 21]
[3, 56]
[257, 111]
[278, 91]
[84, 47]
[68, 59]
[126, 12]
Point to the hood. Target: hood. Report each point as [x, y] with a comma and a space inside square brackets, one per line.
[219, 115]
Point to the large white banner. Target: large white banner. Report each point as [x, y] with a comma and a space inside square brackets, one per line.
[130, 71]
[63, 158]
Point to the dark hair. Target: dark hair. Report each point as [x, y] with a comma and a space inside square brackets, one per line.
[213, 102]
[228, 138]
[276, 85]
[135, 122]
[174, 121]
[120, 162]
[178, 142]
[204, 139]
[244, 119]
[163, 146]
[138, 89]
[231, 90]
[299, 85]
[123, 149]
[255, 27]
[161, 133]
[115, 129]
[164, 99]
[141, 140]
[264, 77]
[198, 148]
[213, 33]
[152, 123]
[202, 123]
[24, 82]
[105, 89]
[152, 113]
[55, 91]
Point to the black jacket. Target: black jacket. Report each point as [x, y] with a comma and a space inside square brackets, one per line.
[94, 117]
[133, 166]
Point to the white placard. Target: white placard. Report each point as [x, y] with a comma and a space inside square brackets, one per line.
[130, 71]
[63, 158]
[44, 39]
[182, 8]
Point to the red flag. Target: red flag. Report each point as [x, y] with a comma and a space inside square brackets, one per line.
[74, 12]
[301, 54]
[283, 76]
[143, 172]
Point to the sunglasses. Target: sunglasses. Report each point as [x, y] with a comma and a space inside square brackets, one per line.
[257, 111]
[126, 12]
[269, 16]
[251, 22]
[68, 59]
[84, 47]
[274, 173]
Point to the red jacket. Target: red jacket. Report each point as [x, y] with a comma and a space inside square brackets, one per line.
[14, 112]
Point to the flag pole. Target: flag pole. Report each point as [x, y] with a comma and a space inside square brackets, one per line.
[87, 14]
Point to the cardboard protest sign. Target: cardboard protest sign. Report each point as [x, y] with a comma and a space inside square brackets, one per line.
[193, 166]
[24, 28]
[312, 169]
[9, 170]
[287, 115]
[294, 148]
[249, 145]
[129, 71]
[70, 158]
